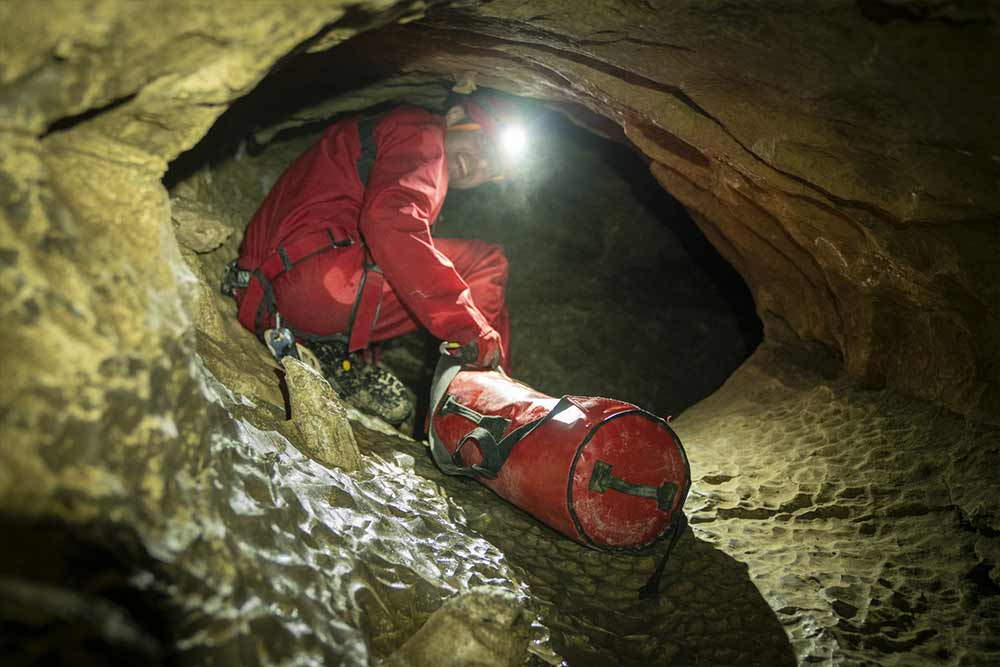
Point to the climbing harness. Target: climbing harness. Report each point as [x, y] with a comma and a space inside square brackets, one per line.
[258, 305]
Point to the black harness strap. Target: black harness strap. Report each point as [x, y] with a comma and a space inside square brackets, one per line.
[652, 586]
[366, 159]
[266, 304]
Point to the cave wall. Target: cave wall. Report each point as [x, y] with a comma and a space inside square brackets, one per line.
[97, 98]
[841, 157]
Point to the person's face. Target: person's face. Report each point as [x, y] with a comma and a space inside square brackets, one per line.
[470, 156]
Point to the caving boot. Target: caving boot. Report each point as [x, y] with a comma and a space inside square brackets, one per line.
[365, 385]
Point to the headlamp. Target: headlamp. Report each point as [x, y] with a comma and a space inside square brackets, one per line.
[513, 140]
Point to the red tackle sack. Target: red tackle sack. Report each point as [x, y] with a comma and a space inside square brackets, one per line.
[600, 471]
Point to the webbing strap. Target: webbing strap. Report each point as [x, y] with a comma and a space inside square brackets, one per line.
[366, 159]
[491, 466]
[259, 298]
[652, 586]
[368, 302]
[495, 454]
[266, 302]
[299, 250]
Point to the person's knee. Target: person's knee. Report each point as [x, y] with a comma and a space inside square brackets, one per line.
[494, 257]
[488, 278]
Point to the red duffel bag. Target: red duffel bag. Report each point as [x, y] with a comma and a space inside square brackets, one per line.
[600, 471]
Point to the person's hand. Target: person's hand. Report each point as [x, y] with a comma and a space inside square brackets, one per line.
[489, 350]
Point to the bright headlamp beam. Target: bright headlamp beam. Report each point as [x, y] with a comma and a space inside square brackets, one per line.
[513, 141]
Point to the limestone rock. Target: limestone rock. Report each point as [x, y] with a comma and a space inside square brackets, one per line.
[196, 228]
[844, 160]
[319, 418]
[782, 459]
[485, 627]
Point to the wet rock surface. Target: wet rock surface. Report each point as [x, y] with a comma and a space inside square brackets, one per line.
[156, 504]
[259, 555]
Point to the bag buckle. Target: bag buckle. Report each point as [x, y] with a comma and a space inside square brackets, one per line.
[234, 278]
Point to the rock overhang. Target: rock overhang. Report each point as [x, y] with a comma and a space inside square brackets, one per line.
[841, 172]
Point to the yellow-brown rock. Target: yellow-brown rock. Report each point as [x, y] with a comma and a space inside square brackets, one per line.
[843, 156]
[320, 418]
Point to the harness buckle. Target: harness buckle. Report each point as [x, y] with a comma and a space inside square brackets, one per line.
[234, 278]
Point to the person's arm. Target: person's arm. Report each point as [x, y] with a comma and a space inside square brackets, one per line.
[405, 189]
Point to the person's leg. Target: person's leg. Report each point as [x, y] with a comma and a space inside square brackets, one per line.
[484, 267]
[318, 295]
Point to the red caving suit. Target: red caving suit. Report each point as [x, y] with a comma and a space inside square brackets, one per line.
[454, 287]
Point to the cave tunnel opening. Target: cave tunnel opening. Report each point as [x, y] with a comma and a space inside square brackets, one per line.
[613, 289]
[839, 510]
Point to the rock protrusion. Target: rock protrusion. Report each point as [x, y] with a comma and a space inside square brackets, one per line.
[485, 626]
[197, 229]
[319, 418]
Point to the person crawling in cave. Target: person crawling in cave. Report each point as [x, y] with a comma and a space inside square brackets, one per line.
[340, 255]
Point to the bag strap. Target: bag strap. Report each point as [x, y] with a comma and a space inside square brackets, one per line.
[495, 451]
[677, 527]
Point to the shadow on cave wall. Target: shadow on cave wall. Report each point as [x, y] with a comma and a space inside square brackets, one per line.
[81, 595]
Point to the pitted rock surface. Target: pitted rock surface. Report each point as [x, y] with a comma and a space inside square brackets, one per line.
[866, 520]
[818, 509]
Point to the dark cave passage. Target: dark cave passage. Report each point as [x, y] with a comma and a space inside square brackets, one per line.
[614, 291]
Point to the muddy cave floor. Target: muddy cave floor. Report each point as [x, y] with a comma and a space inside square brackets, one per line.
[827, 521]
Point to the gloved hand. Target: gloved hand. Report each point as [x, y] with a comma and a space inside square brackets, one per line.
[488, 349]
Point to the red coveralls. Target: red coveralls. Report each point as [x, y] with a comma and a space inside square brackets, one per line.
[454, 287]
